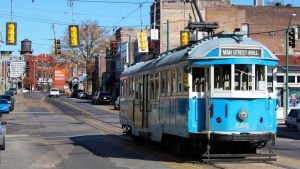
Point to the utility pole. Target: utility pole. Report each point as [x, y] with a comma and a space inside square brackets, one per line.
[168, 35]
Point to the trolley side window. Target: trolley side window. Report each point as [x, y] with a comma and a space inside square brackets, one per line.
[174, 81]
[198, 80]
[270, 78]
[185, 80]
[260, 81]
[179, 81]
[222, 77]
[243, 77]
[163, 82]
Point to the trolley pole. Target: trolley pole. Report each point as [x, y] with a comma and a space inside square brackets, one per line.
[287, 65]
[286, 72]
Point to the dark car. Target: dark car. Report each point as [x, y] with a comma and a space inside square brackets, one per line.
[76, 92]
[102, 98]
[82, 95]
[13, 90]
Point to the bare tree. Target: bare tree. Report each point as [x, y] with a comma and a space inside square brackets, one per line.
[92, 40]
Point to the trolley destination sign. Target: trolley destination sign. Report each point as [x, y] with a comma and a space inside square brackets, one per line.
[240, 52]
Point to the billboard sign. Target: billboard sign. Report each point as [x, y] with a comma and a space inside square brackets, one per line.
[17, 68]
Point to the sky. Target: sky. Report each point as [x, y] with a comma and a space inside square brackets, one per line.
[251, 2]
[35, 18]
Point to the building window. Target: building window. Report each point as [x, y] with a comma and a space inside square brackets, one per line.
[292, 79]
[280, 79]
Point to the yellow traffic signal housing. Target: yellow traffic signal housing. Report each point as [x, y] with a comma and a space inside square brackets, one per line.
[142, 42]
[184, 38]
[11, 33]
[73, 35]
[57, 47]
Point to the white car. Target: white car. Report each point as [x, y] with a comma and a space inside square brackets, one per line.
[2, 135]
[53, 92]
[292, 120]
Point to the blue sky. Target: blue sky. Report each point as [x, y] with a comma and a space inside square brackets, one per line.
[34, 19]
[251, 2]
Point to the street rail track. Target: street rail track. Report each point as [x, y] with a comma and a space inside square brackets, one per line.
[116, 133]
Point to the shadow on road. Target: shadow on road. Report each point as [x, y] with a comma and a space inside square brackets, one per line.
[285, 132]
[108, 146]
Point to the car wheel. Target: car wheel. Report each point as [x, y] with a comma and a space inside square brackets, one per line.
[2, 147]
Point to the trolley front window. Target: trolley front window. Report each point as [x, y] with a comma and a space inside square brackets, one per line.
[260, 78]
[222, 76]
[243, 77]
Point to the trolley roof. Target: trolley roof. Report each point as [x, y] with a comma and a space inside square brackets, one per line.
[210, 50]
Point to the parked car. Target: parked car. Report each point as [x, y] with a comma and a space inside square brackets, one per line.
[8, 93]
[102, 98]
[4, 106]
[54, 92]
[25, 90]
[82, 95]
[13, 90]
[2, 134]
[75, 93]
[292, 120]
[117, 103]
[10, 100]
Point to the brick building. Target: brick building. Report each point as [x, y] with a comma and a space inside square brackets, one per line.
[267, 24]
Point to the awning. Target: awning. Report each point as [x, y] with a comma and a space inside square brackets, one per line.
[83, 77]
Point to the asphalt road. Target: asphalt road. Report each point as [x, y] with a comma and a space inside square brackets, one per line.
[68, 133]
[40, 136]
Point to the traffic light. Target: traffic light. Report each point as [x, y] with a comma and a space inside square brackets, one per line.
[11, 33]
[113, 48]
[73, 35]
[184, 38]
[152, 48]
[292, 38]
[142, 42]
[57, 47]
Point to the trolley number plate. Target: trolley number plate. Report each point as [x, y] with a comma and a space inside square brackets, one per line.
[242, 125]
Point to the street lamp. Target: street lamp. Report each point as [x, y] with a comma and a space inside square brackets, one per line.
[287, 65]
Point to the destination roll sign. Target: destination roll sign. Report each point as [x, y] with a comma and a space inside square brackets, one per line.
[240, 52]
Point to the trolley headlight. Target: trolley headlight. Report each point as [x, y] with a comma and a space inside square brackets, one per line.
[243, 115]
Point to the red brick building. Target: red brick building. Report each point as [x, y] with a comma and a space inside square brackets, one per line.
[42, 73]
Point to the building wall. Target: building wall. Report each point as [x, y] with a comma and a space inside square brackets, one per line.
[266, 24]
[271, 20]
[177, 13]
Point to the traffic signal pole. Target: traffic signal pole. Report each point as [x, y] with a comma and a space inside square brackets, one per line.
[286, 72]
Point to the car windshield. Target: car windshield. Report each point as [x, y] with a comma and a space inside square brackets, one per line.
[54, 90]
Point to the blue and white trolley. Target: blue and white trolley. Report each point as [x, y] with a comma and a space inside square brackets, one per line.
[216, 96]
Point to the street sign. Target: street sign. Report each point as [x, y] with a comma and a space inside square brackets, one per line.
[17, 68]
[14, 80]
